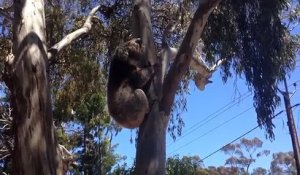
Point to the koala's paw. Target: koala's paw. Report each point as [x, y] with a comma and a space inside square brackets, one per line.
[122, 52]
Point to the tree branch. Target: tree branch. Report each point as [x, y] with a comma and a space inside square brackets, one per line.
[185, 53]
[142, 28]
[4, 12]
[67, 40]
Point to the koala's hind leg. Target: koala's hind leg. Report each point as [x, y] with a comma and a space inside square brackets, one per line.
[135, 110]
[142, 101]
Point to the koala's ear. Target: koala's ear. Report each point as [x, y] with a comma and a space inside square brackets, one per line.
[137, 40]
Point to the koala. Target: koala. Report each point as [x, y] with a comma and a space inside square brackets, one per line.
[129, 79]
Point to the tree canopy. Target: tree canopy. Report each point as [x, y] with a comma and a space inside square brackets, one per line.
[253, 39]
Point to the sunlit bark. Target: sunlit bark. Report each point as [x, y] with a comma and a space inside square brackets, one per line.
[26, 77]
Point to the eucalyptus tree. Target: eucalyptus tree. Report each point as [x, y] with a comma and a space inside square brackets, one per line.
[244, 154]
[283, 163]
[247, 38]
[78, 95]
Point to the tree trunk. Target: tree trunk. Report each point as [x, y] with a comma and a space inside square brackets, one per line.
[26, 77]
[151, 144]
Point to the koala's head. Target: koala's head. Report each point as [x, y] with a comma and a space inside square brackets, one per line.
[131, 52]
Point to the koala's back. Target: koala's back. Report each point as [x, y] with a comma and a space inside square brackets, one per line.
[119, 72]
[126, 104]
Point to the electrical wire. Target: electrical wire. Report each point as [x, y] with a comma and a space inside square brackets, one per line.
[241, 136]
[197, 138]
[223, 109]
[216, 114]
[212, 116]
[227, 121]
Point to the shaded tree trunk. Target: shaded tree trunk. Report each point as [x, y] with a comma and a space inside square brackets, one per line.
[27, 79]
[151, 146]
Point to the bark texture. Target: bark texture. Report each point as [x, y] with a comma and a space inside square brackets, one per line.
[26, 77]
[151, 147]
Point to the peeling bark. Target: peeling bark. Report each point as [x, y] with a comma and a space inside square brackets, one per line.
[203, 72]
[26, 77]
[185, 53]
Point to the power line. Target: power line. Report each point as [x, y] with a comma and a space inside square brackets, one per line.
[298, 104]
[227, 121]
[197, 138]
[221, 110]
[215, 114]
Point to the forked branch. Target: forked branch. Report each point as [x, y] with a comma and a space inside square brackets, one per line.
[185, 53]
[67, 40]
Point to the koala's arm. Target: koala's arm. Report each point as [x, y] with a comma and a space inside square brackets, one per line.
[130, 52]
[141, 76]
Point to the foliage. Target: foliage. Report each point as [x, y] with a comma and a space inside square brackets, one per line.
[283, 163]
[78, 85]
[123, 169]
[253, 37]
[6, 141]
[241, 32]
[193, 165]
[78, 89]
[259, 171]
[243, 154]
[232, 43]
[185, 165]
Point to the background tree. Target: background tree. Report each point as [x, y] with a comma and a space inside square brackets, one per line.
[243, 154]
[123, 169]
[193, 165]
[259, 171]
[184, 165]
[283, 163]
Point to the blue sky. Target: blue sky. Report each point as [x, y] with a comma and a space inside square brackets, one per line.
[205, 133]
